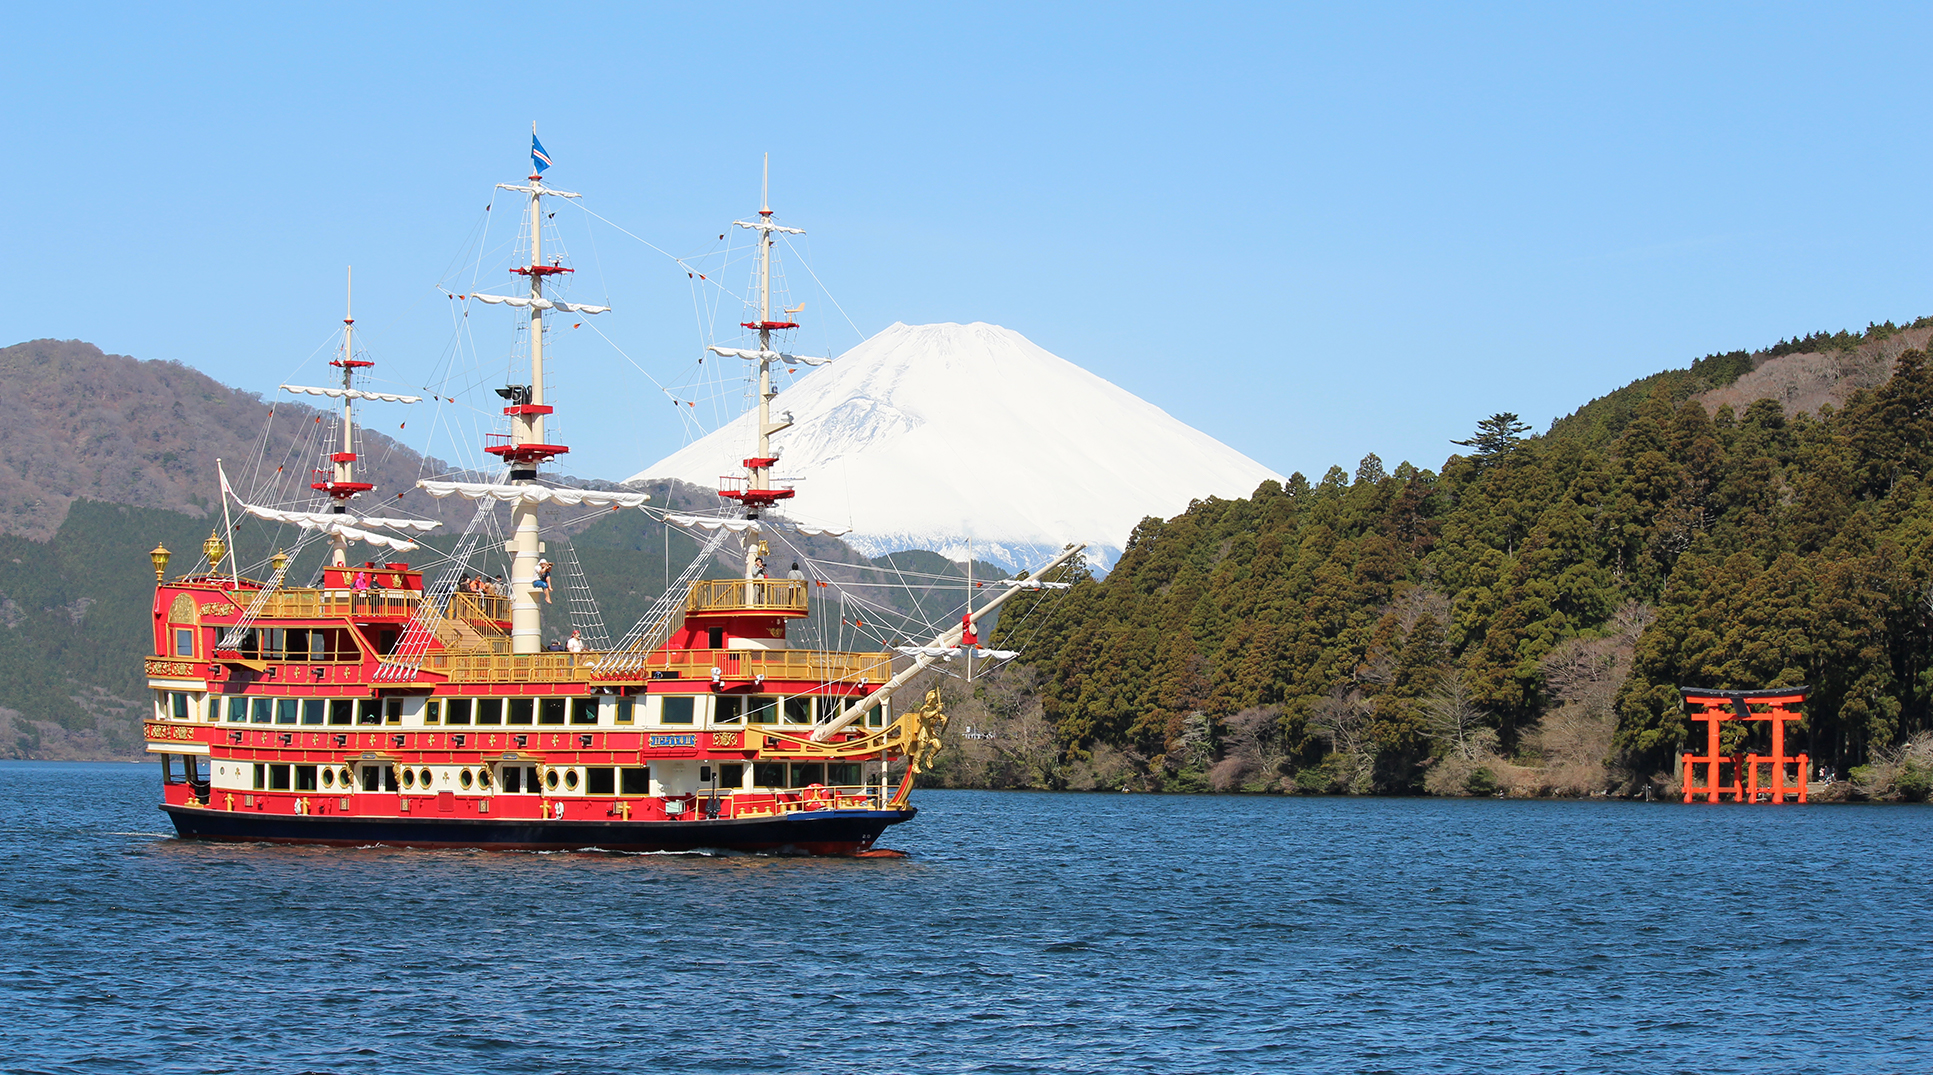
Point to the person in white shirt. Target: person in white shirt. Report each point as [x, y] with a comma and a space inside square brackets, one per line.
[576, 643]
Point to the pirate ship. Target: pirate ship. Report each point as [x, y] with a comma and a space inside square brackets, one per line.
[408, 704]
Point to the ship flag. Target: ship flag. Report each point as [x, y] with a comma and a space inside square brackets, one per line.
[539, 159]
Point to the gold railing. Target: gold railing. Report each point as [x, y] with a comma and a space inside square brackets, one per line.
[823, 666]
[747, 595]
[320, 604]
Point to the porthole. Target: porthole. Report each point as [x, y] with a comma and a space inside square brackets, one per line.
[465, 780]
[483, 778]
[550, 780]
[409, 778]
[328, 778]
[425, 778]
[570, 779]
[343, 779]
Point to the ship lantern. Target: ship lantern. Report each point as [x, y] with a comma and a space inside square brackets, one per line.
[159, 557]
[275, 562]
[214, 549]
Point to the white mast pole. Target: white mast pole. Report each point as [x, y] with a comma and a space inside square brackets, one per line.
[346, 467]
[526, 620]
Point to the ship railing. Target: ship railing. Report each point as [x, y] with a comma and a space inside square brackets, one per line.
[747, 595]
[821, 666]
[303, 604]
[804, 800]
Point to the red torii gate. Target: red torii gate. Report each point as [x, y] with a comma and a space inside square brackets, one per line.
[1716, 707]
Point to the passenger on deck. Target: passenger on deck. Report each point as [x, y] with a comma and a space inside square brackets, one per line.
[576, 643]
[795, 573]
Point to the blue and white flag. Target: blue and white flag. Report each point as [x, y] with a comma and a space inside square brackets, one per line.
[538, 158]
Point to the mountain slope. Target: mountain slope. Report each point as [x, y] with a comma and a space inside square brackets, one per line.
[930, 436]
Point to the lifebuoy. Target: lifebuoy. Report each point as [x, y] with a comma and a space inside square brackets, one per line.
[817, 796]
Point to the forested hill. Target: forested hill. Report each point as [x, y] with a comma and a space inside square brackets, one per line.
[146, 434]
[1522, 618]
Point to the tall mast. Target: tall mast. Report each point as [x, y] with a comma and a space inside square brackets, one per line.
[343, 484]
[758, 493]
[528, 447]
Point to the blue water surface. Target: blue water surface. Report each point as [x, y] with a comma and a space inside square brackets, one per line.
[1027, 932]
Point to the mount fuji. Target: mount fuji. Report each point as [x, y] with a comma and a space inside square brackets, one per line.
[931, 436]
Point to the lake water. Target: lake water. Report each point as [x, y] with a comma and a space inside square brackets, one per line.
[1027, 933]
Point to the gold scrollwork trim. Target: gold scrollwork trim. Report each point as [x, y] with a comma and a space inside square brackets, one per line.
[176, 669]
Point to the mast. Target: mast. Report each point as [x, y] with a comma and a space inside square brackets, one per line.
[758, 493]
[342, 483]
[528, 447]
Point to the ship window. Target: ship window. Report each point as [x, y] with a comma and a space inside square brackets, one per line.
[466, 780]
[805, 773]
[600, 780]
[178, 705]
[393, 711]
[313, 710]
[424, 777]
[550, 779]
[342, 711]
[627, 708]
[262, 712]
[432, 712]
[876, 717]
[483, 779]
[728, 710]
[635, 781]
[584, 710]
[732, 775]
[552, 711]
[409, 778]
[704, 774]
[842, 773]
[521, 709]
[296, 643]
[763, 709]
[369, 711]
[251, 644]
[237, 710]
[261, 776]
[676, 710]
[490, 711]
[278, 778]
[371, 778]
[459, 711]
[570, 779]
[513, 782]
[305, 778]
[285, 710]
[798, 710]
[328, 778]
[768, 774]
[184, 641]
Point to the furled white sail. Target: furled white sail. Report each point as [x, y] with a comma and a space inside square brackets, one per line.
[776, 356]
[949, 652]
[350, 393]
[768, 226]
[1036, 584]
[537, 494]
[710, 522]
[325, 519]
[541, 304]
[341, 525]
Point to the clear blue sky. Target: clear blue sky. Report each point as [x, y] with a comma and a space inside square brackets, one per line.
[1312, 232]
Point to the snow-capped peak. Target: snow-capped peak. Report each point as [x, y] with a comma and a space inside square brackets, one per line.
[930, 436]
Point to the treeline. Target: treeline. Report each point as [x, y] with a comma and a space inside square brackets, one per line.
[1520, 620]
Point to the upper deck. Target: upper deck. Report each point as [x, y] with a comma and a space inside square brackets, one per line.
[335, 636]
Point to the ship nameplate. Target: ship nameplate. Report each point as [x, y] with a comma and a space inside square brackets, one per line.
[174, 669]
[674, 740]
